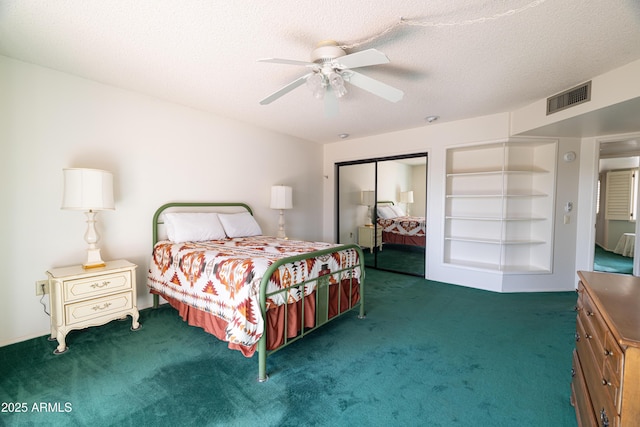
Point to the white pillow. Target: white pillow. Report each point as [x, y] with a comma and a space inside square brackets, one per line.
[398, 210]
[385, 212]
[193, 226]
[241, 224]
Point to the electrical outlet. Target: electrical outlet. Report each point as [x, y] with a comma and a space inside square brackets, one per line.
[42, 287]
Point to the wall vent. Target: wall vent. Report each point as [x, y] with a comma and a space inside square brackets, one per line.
[569, 98]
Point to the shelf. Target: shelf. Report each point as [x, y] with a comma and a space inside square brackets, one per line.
[506, 269]
[494, 195]
[475, 173]
[502, 189]
[495, 241]
[494, 218]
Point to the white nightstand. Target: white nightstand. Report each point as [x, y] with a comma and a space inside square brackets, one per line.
[91, 297]
[365, 237]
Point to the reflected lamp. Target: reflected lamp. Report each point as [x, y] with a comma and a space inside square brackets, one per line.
[368, 199]
[281, 198]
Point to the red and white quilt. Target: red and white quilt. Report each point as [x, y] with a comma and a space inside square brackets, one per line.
[222, 277]
[404, 225]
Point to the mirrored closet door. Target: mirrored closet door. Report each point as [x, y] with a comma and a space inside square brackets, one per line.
[381, 206]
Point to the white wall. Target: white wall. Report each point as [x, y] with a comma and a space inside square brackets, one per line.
[158, 152]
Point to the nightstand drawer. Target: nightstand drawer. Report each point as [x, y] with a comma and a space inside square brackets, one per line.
[97, 307]
[78, 289]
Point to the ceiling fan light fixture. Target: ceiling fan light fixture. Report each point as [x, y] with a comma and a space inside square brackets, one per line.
[337, 84]
[316, 83]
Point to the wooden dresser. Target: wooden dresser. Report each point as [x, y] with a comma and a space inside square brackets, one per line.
[605, 389]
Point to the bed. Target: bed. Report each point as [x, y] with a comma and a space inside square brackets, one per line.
[258, 293]
[398, 227]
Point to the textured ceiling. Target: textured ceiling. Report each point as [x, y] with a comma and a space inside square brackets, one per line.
[204, 54]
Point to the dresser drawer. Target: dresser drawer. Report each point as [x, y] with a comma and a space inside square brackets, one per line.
[611, 385]
[580, 396]
[587, 345]
[613, 355]
[98, 307]
[592, 339]
[594, 322]
[600, 388]
[94, 286]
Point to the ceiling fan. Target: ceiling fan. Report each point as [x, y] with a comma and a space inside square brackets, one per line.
[329, 69]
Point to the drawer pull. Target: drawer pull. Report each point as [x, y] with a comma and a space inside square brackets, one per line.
[101, 285]
[589, 313]
[576, 308]
[577, 337]
[608, 352]
[603, 418]
[573, 372]
[587, 336]
[606, 382]
[104, 306]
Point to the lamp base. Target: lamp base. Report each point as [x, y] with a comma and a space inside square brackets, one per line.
[281, 233]
[94, 260]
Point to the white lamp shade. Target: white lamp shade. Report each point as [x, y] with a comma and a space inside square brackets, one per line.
[367, 197]
[406, 197]
[87, 189]
[281, 197]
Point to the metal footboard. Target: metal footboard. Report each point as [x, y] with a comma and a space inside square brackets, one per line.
[322, 299]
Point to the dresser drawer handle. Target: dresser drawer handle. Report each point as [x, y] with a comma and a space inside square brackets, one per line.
[104, 306]
[577, 337]
[587, 336]
[604, 418]
[573, 372]
[576, 308]
[589, 313]
[101, 285]
[606, 382]
[608, 352]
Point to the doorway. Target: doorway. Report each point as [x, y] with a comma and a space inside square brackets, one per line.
[616, 206]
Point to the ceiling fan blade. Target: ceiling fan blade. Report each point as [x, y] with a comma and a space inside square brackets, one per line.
[284, 90]
[362, 59]
[376, 87]
[288, 62]
[330, 103]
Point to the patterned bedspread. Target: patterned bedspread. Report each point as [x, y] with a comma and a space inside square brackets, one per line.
[404, 225]
[222, 277]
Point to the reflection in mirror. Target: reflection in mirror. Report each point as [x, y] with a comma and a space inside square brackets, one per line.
[400, 214]
[382, 208]
[356, 189]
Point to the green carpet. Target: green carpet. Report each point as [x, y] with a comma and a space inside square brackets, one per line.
[398, 259]
[427, 354]
[611, 263]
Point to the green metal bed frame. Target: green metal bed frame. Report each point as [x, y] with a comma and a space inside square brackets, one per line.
[321, 285]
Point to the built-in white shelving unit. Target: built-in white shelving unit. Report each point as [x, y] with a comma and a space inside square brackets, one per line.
[499, 206]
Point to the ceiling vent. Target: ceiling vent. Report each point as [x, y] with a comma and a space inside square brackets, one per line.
[569, 98]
